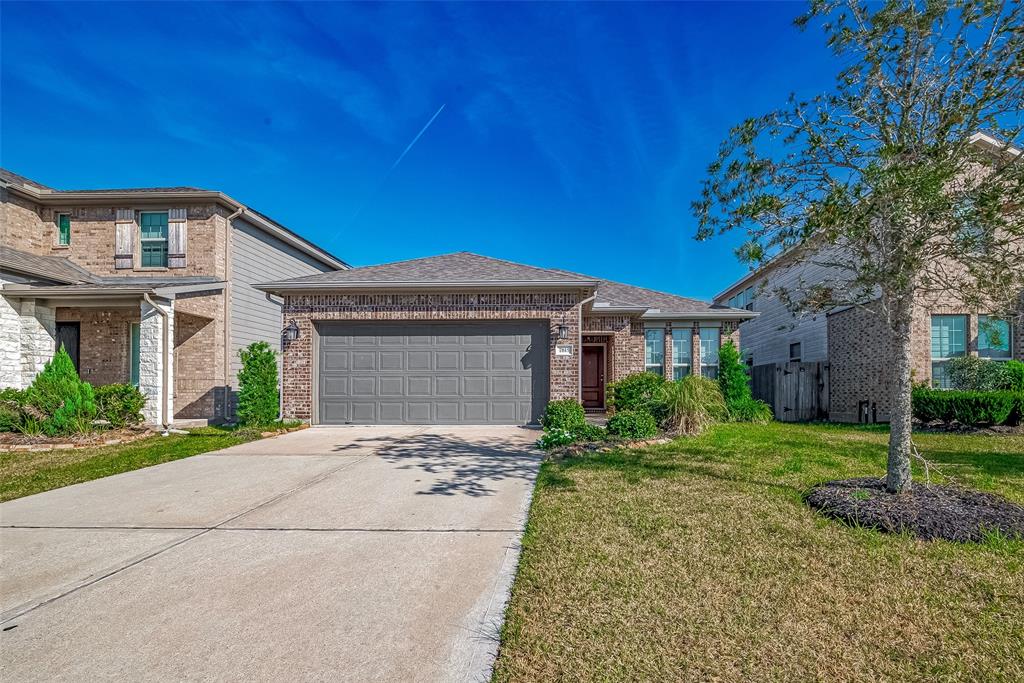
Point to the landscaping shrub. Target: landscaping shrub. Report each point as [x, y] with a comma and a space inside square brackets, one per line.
[589, 432]
[632, 424]
[258, 398]
[693, 403]
[553, 438]
[564, 414]
[65, 403]
[119, 404]
[638, 392]
[1015, 375]
[751, 410]
[970, 373]
[967, 407]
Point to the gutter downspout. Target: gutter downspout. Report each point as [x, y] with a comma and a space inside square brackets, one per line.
[227, 308]
[280, 368]
[164, 360]
[579, 348]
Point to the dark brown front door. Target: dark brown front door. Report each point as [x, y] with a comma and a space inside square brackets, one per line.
[593, 377]
[68, 335]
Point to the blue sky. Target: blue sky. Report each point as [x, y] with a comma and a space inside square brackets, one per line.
[572, 135]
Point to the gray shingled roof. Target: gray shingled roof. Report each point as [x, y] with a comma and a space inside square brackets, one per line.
[54, 268]
[461, 267]
[468, 268]
[15, 179]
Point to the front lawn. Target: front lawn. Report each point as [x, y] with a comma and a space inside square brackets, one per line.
[25, 473]
[697, 560]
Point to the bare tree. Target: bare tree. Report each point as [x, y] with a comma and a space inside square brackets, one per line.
[879, 178]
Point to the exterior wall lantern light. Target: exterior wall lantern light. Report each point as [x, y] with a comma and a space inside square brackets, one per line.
[563, 331]
[291, 333]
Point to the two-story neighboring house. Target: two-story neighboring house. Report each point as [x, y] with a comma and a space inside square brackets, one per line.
[149, 286]
[853, 342]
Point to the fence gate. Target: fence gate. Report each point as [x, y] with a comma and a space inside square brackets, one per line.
[797, 392]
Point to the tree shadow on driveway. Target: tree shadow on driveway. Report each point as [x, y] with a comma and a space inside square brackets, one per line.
[462, 466]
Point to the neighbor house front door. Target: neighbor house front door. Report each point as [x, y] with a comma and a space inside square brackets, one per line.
[68, 337]
[593, 377]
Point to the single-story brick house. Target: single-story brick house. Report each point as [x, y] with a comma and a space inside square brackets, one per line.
[463, 338]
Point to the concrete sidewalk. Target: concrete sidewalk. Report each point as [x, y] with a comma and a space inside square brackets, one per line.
[352, 553]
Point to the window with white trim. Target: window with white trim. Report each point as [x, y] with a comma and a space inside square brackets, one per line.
[681, 352]
[710, 338]
[654, 351]
[949, 340]
[995, 338]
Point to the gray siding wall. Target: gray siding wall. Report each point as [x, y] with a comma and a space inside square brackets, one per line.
[258, 257]
[769, 335]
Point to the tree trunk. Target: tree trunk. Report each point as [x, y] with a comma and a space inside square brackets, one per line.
[898, 472]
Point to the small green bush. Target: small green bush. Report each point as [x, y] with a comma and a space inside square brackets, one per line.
[67, 402]
[119, 404]
[16, 415]
[638, 392]
[564, 414]
[589, 432]
[967, 407]
[751, 410]
[693, 403]
[632, 424]
[553, 438]
[1015, 375]
[258, 398]
[970, 373]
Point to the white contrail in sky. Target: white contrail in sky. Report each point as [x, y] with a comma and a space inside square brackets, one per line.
[401, 156]
[415, 139]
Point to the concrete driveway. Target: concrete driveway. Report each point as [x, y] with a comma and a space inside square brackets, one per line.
[349, 553]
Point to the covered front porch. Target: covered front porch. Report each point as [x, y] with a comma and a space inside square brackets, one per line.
[165, 339]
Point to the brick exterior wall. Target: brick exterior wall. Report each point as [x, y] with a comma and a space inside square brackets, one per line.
[21, 225]
[104, 343]
[625, 343]
[199, 389]
[559, 308]
[860, 353]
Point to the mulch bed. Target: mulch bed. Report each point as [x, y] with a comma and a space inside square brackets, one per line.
[928, 511]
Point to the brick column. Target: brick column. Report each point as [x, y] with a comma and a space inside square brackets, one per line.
[695, 349]
[151, 361]
[667, 365]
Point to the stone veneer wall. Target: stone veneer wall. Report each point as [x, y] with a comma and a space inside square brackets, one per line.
[306, 309]
[151, 361]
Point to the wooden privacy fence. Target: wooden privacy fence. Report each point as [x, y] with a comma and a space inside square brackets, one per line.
[797, 392]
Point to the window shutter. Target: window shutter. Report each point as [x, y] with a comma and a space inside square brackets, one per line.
[124, 239]
[177, 237]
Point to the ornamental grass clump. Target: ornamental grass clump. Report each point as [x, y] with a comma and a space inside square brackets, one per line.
[693, 403]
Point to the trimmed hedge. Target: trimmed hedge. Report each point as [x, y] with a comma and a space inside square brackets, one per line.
[119, 404]
[968, 407]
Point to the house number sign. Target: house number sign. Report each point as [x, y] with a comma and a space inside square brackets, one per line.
[563, 350]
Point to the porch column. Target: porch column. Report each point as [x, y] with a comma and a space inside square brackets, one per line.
[38, 338]
[10, 342]
[151, 358]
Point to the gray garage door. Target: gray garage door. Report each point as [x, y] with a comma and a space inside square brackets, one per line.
[432, 373]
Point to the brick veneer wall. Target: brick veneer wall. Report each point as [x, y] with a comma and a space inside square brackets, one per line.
[199, 390]
[32, 227]
[625, 343]
[307, 309]
[104, 342]
[21, 226]
[860, 353]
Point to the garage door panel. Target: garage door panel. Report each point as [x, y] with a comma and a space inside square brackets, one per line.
[418, 360]
[474, 360]
[432, 372]
[446, 360]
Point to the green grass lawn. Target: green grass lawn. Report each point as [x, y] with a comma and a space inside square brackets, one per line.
[696, 560]
[25, 473]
